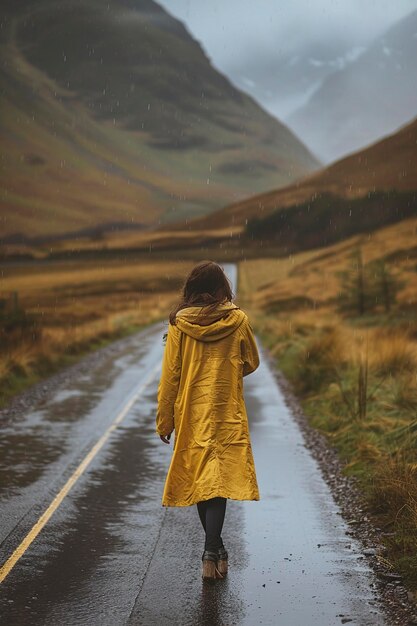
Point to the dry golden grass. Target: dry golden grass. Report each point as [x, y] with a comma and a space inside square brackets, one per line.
[294, 297]
[395, 497]
[393, 352]
[313, 274]
[146, 239]
[78, 305]
[79, 292]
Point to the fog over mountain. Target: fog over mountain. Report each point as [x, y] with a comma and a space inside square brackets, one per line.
[279, 52]
[369, 98]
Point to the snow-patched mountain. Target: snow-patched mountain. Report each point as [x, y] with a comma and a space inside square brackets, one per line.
[369, 98]
[283, 82]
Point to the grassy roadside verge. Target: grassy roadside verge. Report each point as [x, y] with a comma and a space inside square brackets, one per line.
[35, 367]
[379, 448]
[66, 310]
[356, 379]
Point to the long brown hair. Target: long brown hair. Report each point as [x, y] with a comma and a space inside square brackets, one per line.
[206, 285]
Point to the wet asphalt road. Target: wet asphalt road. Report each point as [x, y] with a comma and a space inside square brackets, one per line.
[111, 554]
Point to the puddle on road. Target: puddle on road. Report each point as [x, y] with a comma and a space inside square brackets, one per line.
[71, 409]
[23, 457]
[74, 401]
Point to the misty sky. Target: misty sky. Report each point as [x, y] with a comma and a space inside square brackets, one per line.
[280, 50]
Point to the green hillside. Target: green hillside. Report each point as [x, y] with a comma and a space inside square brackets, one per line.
[111, 114]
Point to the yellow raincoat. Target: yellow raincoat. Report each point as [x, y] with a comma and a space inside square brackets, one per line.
[200, 396]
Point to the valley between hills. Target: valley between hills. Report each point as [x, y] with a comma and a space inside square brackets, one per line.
[121, 171]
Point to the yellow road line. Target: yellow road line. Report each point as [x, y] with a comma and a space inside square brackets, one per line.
[6, 568]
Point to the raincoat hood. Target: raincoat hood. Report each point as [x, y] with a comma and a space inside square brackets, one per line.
[210, 326]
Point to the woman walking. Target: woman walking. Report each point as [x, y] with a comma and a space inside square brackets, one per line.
[209, 348]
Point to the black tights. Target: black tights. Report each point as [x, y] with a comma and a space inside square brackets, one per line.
[212, 514]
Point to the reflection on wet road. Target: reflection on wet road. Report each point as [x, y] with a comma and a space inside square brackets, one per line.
[110, 554]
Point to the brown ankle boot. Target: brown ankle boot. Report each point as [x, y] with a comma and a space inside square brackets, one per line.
[222, 560]
[210, 570]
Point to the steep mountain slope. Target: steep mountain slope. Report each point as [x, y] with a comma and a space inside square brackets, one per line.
[112, 114]
[390, 164]
[366, 100]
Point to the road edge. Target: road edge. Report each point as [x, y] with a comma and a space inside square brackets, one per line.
[395, 600]
[41, 391]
